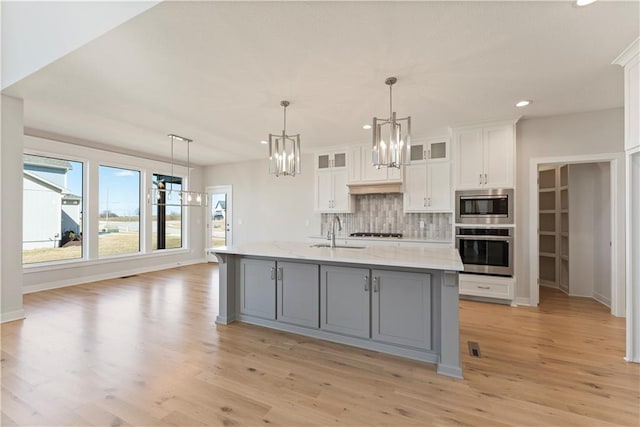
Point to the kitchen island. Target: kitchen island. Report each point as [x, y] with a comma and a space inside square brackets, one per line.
[397, 300]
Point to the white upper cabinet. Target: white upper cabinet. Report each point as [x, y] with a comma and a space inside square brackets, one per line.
[331, 160]
[427, 187]
[331, 193]
[484, 156]
[361, 169]
[430, 149]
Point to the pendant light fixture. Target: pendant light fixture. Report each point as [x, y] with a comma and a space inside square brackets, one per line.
[165, 195]
[391, 137]
[284, 150]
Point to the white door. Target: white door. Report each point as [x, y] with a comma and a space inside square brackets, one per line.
[340, 191]
[324, 191]
[415, 188]
[469, 155]
[219, 221]
[498, 157]
[439, 182]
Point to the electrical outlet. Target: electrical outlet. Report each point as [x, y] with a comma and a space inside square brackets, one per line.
[421, 224]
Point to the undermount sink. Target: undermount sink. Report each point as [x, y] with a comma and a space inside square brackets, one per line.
[326, 245]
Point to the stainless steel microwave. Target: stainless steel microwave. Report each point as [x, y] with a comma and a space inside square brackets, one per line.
[485, 206]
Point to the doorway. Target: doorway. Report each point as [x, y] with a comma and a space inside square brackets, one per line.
[219, 229]
[612, 248]
[574, 229]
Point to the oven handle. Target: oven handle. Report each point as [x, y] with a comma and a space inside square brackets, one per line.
[476, 237]
[481, 197]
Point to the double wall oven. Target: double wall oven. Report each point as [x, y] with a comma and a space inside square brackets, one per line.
[484, 231]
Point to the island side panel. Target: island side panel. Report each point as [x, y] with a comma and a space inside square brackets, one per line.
[449, 327]
[227, 288]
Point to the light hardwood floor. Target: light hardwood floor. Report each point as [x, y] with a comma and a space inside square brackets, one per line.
[144, 350]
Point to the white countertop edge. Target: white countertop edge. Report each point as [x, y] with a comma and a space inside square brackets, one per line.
[385, 239]
[389, 256]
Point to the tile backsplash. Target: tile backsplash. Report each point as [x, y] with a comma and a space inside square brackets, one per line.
[382, 213]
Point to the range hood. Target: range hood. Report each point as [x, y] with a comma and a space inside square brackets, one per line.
[372, 188]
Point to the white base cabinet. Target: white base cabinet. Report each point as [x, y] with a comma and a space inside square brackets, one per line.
[495, 287]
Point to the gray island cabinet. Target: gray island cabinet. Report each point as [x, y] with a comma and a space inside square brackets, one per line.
[396, 300]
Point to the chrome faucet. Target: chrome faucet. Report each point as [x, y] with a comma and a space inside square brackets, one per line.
[332, 232]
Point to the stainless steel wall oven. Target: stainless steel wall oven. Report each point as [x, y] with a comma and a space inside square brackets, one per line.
[486, 250]
[484, 206]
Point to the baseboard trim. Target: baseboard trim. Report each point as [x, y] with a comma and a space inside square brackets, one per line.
[523, 301]
[12, 316]
[602, 299]
[106, 276]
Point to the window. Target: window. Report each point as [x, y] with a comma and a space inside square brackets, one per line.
[52, 209]
[167, 213]
[119, 209]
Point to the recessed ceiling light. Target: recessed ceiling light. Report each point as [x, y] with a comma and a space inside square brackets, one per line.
[367, 126]
[523, 103]
[584, 2]
[263, 142]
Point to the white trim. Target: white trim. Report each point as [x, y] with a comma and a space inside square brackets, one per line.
[106, 276]
[12, 316]
[628, 54]
[523, 301]
[617, 280]
[632, 289]
[228, 217]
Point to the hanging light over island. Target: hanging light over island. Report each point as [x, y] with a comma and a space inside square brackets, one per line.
[391, 136]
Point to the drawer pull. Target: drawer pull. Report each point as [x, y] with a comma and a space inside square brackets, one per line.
[484, 287]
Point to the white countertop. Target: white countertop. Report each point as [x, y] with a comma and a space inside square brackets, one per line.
[381, 239]
[393, 256]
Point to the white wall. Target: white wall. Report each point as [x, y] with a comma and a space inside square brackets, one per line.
[590, 231]
[577, 134]
[81, 271]
[266, 207]
[11, 209]
[35, 34]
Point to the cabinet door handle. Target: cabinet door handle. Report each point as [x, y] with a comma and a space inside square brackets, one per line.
[273, 273]
[376, 284]
[485, 178]
[424, 154]
[429, 201]
[429, 154]
[480, 179]
[279, 273]
[366, 283]
[424, 202]
[484, 287]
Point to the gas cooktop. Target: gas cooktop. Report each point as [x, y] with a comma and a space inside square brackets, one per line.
[368, 234]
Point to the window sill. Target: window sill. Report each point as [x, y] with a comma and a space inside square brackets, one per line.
[61, 265]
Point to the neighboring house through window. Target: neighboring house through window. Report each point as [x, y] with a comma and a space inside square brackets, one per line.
[52, 209]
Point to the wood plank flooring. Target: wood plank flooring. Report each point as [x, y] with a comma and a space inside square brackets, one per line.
[144, 350]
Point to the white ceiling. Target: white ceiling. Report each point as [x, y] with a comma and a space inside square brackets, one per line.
[216, 71]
